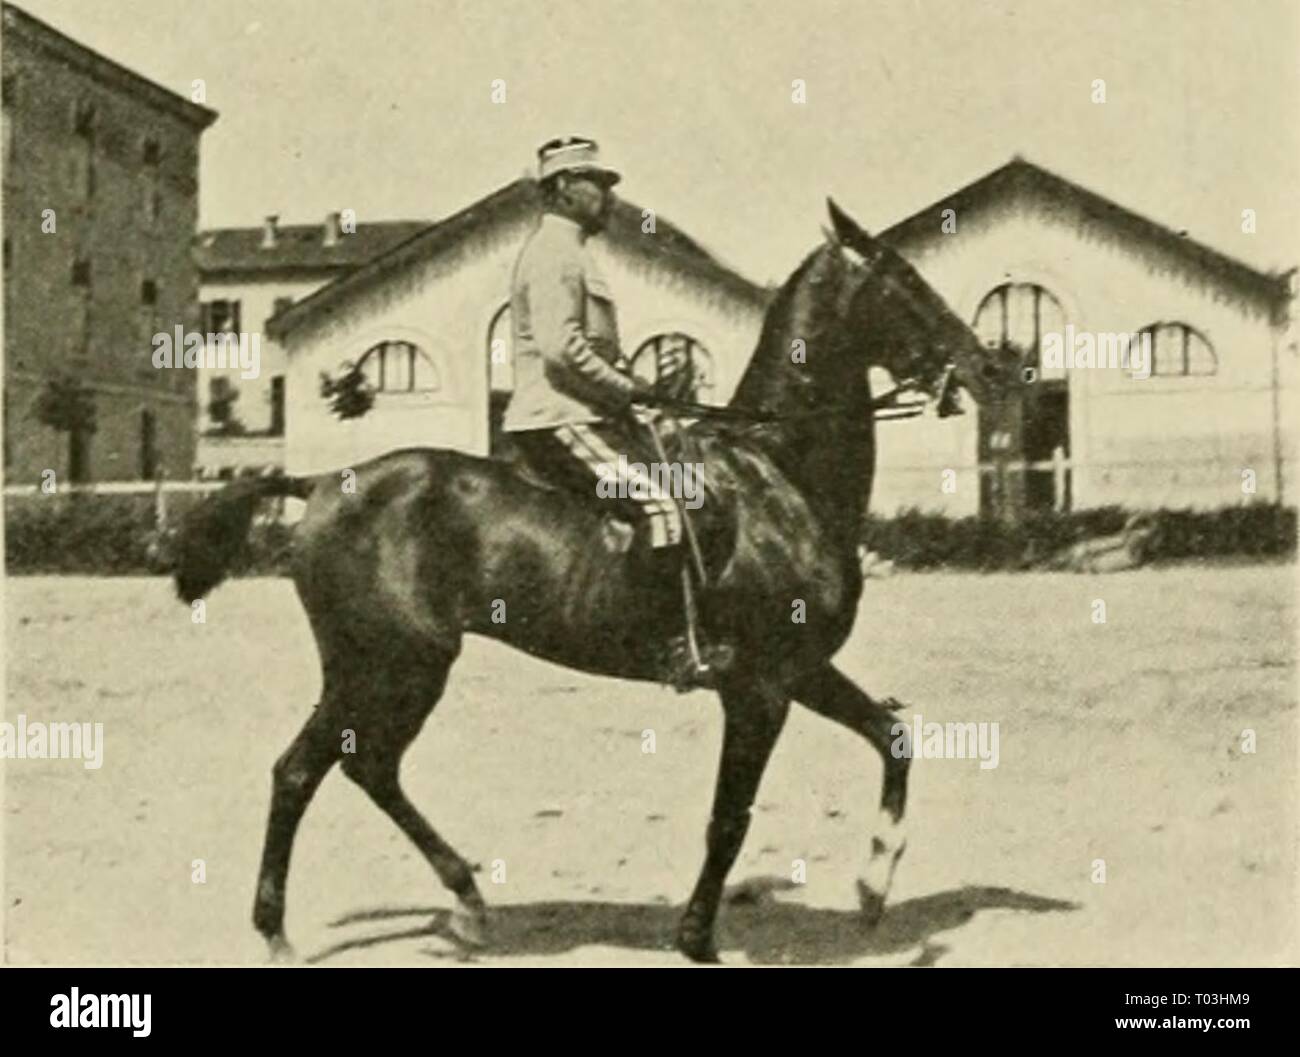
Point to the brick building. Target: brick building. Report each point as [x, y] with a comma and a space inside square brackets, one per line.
[100, 210]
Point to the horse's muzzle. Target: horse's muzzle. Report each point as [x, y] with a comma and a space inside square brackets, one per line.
[948, 402]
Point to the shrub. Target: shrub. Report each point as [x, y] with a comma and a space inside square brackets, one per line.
[115, 535]
[916, 540]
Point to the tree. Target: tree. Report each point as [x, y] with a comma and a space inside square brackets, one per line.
[221, 409]
[66, 405]
[350, 394]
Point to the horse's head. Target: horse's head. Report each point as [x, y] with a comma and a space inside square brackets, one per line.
[906, 327]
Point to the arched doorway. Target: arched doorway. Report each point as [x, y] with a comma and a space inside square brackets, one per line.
[1024, 441]
[501, 376]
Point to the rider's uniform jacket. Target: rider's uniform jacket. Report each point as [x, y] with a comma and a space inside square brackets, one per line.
[565, 334]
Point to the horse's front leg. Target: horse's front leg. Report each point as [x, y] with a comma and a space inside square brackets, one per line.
[830, 693]
[754, 715]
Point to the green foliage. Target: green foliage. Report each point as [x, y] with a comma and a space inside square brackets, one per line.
[66, 405]
[350, 394]
[221, 410]
[114, 535]
[915, 540]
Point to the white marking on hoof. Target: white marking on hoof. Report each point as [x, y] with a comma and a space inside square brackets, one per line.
[282, 953]
[877, 876]
[469, 925]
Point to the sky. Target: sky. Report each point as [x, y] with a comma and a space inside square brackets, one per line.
[385, 106]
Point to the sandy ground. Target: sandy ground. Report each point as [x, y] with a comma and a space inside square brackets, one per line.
[1119, 742]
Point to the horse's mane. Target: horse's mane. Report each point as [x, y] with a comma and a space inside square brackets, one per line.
[801, 310]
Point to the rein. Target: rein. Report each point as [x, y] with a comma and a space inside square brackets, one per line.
[885, 408]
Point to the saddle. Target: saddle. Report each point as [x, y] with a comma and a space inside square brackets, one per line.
[624, 524]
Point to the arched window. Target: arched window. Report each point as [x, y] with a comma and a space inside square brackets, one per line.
[399, 367]
[676, 365]
[1017, 315]
[1180, 350]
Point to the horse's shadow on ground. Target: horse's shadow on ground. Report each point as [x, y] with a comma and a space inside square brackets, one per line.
[763, 928]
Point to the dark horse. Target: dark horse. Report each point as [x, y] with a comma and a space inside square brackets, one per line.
[432, 543]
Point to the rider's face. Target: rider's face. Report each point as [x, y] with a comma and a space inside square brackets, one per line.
[589, 200]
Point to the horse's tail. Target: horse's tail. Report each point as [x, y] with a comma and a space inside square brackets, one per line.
[211, 535]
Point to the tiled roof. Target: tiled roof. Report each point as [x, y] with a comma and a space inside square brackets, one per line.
[519, 203]
[298, 247]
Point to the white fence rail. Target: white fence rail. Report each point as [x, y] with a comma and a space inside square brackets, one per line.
[120, 488]
[274, 509]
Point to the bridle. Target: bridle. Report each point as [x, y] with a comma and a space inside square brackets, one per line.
[884, 408]
[888, 407]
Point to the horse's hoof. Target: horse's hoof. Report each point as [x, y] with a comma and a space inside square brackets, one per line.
[469, 926]
[872, 904]
[698, 947]
[281, 952]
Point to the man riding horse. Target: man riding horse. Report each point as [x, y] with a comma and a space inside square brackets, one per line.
[433, 543]
[575, 409]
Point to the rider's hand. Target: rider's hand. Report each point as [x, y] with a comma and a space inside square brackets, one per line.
[640, 407]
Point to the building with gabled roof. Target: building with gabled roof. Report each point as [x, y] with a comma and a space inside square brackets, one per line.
[247, 274]
[424, 318]
[1021, 253]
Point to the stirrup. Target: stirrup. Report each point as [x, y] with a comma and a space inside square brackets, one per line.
[697, 669]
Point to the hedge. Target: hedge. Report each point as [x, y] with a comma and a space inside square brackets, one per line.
[916, 540]
[115, 535]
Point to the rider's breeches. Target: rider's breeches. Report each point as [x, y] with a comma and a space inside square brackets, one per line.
[618, 467]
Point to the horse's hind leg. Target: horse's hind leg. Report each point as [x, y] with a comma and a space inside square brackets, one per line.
[295, 777]
[754, 715]
[393, 714]
[830, 693]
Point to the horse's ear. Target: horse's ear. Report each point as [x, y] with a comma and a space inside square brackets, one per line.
[846, 228]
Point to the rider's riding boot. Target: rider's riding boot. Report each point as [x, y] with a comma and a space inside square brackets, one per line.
[694, 664]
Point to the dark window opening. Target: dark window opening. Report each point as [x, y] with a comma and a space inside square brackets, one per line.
[83, 121]
[81, 273]
[151, 152]
[221, 317]
[79, 456]
[7, 115]
[277, 406]
[148, 445]
[148, 292]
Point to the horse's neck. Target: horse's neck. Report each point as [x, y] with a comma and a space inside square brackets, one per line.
[825, 447]
[775, 382]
